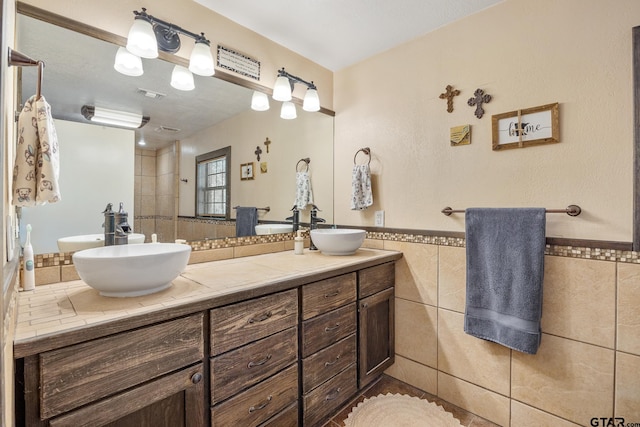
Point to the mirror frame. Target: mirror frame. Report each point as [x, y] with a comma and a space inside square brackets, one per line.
[636, 138]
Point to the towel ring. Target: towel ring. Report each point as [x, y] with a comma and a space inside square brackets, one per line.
[306, 162]
[366, 151]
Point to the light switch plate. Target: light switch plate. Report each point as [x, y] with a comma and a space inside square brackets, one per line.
[379, 218]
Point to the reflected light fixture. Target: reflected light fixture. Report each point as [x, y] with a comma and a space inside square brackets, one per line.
[283, 88]
[259, 101]
[127, 63]
[148, 35]
[288, 110]
[113, 117]
[182, 79]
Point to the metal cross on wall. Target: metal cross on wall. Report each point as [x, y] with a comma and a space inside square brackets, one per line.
[449, 94]
[479, 98]
[258, 152]
[267, 142]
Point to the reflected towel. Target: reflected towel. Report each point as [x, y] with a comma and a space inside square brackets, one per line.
[37, 165]
[304, 195]
[246, 221]
[505, 269]
[361, 195]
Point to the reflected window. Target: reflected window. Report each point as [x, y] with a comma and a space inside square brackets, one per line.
[212, 184]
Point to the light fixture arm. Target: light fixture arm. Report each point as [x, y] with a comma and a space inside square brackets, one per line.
[295, 79]
[170, 29]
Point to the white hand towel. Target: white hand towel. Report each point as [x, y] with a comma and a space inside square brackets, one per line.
[37, 164]
[304, 195]
[361, 195]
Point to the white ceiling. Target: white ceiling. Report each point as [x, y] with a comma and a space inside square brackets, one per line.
[339, 33]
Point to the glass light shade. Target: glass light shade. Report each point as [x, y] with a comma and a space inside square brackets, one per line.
[311, 101]
[282, 89]
[259, 101]
[182, 79]
[142, 40]
[201, 60]
[288, 110]
[116, 118]
[127, 63]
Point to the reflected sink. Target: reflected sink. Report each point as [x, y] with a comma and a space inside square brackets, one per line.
[338, 241]
[88, 241]
[263, 229]
[131, 270]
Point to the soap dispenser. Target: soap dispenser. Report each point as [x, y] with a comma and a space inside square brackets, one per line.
[298, 243]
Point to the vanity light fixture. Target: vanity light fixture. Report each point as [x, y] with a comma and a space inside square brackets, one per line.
[149, 34]
[259, 101]
[113, 117]
[283, 88]
[127, 63]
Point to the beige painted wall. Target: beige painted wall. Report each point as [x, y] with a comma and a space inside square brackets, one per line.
[116, 16]
[524, 54]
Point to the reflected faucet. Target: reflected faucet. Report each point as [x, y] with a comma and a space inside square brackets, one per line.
[314, 224]
[295, 218]
[116, 226]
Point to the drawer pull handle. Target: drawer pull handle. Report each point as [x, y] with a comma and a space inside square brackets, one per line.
[333, 395]
[262, 318]
[259, 362]
[196, 378]
[365, 305]
[327, 364]
[332, 328]
[261, 405]
[331, 295]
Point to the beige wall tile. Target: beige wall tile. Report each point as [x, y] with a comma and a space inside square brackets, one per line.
[164, 205]
[627, 387]
[423, 377]
[148, 186]
[68, 273]
[185, 230]
[47, 275]
[579, 299]
[262, 248]
[210, 255]
[373, 244]
[629, 308]
[480, 362]
[571, 379]
[480, 401]
[147, 227]
[452, 278]
[416, 332]
[147, 206]
[148, 166]
[137, 167]
[527, 416]
[416, 271]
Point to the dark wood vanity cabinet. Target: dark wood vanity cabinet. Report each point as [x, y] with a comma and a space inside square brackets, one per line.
[376, 321]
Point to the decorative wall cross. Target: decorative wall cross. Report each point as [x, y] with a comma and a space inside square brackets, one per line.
[479, 98]
[258, 152]
[449, 94]
[267, 142]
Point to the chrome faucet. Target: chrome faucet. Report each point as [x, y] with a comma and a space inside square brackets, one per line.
[295, 218]
[109, 225]
[314, 224]
[116, 226]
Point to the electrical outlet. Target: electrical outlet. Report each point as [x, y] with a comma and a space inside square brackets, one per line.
[379, 218]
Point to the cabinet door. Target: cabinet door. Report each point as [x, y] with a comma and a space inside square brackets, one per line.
[174, 400]
[376, 335]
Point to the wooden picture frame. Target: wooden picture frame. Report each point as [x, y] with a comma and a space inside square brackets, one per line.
[246, 171]
[526, 128]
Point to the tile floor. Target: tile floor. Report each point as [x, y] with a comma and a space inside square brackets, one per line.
[387, 384]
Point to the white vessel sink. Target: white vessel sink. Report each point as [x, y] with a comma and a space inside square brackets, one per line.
[338, 241]
[262, 229]
[131, 270]
[88, 241]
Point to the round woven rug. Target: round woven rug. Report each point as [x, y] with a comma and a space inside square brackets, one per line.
[399, 410]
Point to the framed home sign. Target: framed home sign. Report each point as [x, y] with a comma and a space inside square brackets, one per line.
[526, 128]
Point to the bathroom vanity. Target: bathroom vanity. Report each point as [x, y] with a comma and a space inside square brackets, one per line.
[268, 340]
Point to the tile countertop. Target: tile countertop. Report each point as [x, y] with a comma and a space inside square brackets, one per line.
[65, 313]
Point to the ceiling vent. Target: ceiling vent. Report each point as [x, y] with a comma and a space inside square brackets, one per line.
[151, 94]
[166, 129]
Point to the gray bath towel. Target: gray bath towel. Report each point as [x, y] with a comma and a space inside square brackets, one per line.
[505, 269]
[246, 221]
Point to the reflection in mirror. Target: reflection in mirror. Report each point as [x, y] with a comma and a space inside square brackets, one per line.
[161, 176]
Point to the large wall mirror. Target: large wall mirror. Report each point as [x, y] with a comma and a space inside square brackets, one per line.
[79, 71]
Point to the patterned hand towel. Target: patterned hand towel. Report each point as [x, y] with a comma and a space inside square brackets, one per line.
[37, 164]
[304, 195]
[361, 195]
[505, 269]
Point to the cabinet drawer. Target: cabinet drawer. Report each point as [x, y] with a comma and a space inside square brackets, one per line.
[374, 279]
[326, 363]
[83, 373]
[325, 295]
[238, 369]
[238, 324]
[326, 329]
[286, 418]
[329, 397]
[259, 403]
